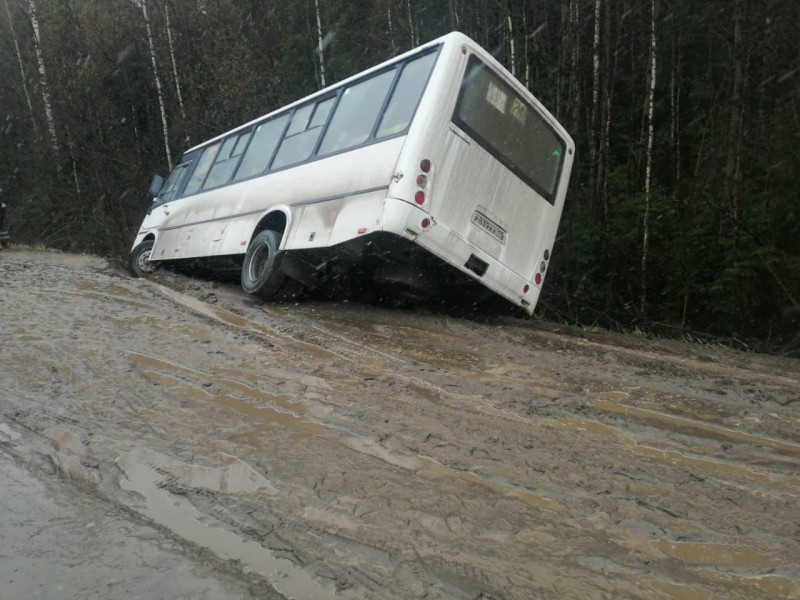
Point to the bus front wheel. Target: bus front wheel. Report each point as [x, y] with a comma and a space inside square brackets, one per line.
[261, 273]
[139, 263]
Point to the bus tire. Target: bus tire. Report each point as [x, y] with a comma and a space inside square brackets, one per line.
[139, 263]
[261, 272]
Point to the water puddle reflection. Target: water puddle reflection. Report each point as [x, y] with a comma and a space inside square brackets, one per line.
[178, 515]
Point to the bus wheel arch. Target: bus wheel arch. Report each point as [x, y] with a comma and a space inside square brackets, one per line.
[261, 268]
[139, 263]
[276, 220]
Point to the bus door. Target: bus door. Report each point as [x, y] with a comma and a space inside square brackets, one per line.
[173, 187]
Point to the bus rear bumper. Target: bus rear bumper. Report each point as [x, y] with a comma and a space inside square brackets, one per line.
[407, 220]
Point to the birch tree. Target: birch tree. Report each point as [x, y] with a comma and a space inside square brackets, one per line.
[411, 29]
[391, 26]
[23, 79]
[159, 90]
[320, 48]
[649, 167]
[48, 109]
[593, 166]
[175, 73]
[511, 46]
[734, 141]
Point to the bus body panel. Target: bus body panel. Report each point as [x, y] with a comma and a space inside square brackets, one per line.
[202, 225]
[466, 179]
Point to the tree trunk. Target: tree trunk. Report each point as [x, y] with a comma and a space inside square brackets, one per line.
[74, 163]
[452, 6]
[161, 103]
[320, 49]
[175, 74]
[575, 82]
[21, 70]
[734, 144]
[391, 26]
[48, 109]
[593, 166]
[648, 168]
[563, 48]
[526, 49]
[674, 109]
[411, 29]
[511, 47]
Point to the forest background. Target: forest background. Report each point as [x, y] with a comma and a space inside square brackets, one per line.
[684, 209]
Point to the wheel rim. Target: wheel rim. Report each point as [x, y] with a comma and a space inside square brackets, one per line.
[143, 261]
[258, 264]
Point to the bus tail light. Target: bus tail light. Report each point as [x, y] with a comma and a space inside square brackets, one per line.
[425, 165]
[526, 288]
[422, 180]
[538, 279]
[546, 254]
[542, 267]
[419, 198]
[425, 223]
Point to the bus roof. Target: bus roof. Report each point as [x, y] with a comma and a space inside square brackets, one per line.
[441, 40]
[452, 38]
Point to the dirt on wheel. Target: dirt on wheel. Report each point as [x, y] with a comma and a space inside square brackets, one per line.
[325, 450]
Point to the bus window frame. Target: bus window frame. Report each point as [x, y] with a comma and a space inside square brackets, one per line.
[284, 136]
[238, 134]
[550, 198]
[398, 66]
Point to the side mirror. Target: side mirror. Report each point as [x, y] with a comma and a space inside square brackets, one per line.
[156, 185]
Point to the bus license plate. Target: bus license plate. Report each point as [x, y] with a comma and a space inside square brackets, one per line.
[492, 228]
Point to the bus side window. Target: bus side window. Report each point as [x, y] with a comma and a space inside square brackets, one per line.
[406, 95]
[303, 133]
[173, 183]
[261, 148]
[226, 160]
[355, 115]
[200, 172]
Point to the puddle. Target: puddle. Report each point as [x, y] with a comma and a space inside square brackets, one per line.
[774, 586]
[676, 360]
[230, 318]
[610, 395]
[86, 289]
[236, 477]
[724, 469]
[579, 424]
[7, 434]
[695, 426]
[179, 516]
[267, 414]
[702, 553]
[429, 467]
[162, 365]
[793, 421]
[424, 466]
[674, 457]
[679, 592]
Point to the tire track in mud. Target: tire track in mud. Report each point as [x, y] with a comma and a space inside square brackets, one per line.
[602, 405]
[645, 501]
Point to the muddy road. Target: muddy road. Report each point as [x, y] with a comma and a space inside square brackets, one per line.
[336, 450]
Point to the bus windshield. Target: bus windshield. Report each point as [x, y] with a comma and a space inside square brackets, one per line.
[509, 128]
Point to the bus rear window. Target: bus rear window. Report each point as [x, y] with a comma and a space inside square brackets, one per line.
[509, 128]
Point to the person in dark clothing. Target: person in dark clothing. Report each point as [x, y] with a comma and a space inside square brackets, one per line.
[5, 238]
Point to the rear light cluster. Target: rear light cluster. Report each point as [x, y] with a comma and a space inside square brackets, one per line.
[422, 181]
[539, 276]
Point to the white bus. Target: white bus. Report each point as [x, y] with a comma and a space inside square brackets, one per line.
[431, 170]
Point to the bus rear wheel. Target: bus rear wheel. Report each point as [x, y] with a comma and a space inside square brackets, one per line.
[261, 272]
[139, 263]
